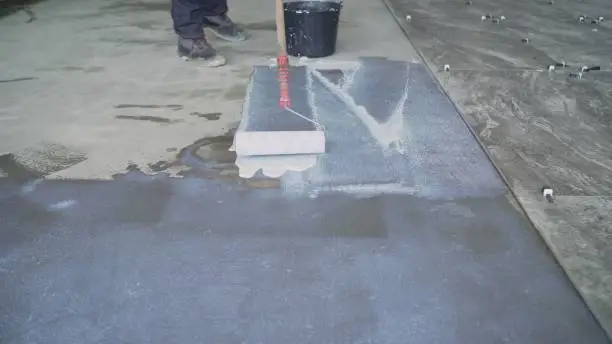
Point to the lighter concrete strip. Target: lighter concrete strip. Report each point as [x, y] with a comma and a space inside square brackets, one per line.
[104, 55]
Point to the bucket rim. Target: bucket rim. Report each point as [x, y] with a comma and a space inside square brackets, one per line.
[312, 6]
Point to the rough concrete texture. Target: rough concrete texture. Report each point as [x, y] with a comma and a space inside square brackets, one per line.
[541, 128]
[389, 129]
[145, 259]
[211, 257]
[111, 88]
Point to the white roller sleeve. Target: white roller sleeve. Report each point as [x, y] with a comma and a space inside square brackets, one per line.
[253, 143]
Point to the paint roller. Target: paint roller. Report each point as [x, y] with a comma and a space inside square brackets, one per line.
[282, 60]
[279, 142]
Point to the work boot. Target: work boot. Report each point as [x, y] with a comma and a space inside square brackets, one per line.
[199, 49]
[225, 28]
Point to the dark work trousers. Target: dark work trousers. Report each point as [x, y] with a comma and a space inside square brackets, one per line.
[188, 15]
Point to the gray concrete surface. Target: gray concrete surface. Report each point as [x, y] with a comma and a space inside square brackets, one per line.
[540, 128]
[211, 257]
[413, 241]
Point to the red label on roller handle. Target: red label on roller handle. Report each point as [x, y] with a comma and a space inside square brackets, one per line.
[283, 78]
[285, 101]
[282, 61]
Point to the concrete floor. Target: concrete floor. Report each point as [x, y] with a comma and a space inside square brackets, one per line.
[540, 128]
[95, 250]
[111, 89]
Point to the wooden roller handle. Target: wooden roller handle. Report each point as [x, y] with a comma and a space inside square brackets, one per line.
[280, 27]
[282, 61]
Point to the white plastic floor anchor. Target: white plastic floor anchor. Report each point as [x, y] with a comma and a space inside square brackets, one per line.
[547, 193]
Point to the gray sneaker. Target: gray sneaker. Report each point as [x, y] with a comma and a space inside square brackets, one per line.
[199, 49]
[225, 28]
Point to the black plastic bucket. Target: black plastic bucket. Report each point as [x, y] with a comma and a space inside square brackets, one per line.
[311, 27]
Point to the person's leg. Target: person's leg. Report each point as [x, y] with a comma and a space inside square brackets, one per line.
[188, 18]
[188, 22]
[216, 19]
[214, 7]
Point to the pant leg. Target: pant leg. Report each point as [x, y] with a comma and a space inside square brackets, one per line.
[214, 7]
[188, 18]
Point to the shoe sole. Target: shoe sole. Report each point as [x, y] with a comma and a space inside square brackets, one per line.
[216, 61]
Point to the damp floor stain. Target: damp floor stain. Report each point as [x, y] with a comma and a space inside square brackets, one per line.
[211, 116]
[5, 81]
[154, 119]
[175, 107]
[13, 170]
[216, 151]
[159, 166]
[211, 155]
[210, 158]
